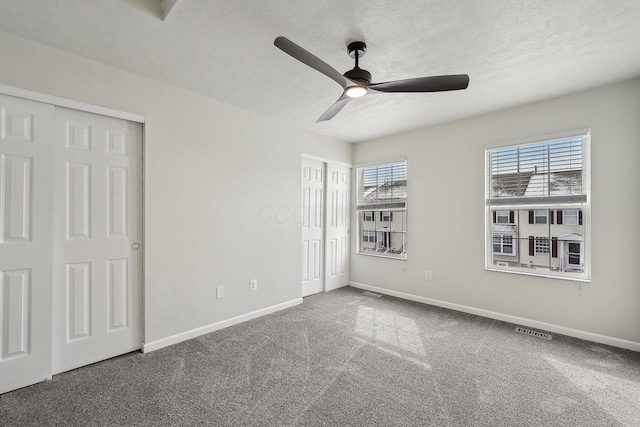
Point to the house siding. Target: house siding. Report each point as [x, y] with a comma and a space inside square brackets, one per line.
[525, 247]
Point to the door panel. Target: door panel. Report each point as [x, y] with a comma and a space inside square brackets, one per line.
[338, 219]
[97, 222]
[313, 177]
[26, 142]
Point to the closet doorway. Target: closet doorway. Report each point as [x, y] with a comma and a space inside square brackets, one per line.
[325, 225]
[70, 239]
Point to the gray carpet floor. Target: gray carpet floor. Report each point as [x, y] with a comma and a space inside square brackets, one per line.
[346, 359]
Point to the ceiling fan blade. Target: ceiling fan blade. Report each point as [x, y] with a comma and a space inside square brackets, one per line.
[424, 84]
[335, 108]
[311, 60]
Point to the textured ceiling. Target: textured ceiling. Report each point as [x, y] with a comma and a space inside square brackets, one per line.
[515, 52]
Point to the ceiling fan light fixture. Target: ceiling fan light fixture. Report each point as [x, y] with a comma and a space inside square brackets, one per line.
[356, 91]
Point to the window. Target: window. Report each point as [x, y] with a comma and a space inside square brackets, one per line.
[369, 236]
[537, 200]
[541, 246]
[502, 217]
[569, 217]
[540, 216]
[503, 245]
[382, 204]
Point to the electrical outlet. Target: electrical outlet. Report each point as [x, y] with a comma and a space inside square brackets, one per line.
[220, 292]
[428, 275]
[253, 285]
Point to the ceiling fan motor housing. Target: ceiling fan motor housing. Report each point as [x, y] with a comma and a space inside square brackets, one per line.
[358, 74]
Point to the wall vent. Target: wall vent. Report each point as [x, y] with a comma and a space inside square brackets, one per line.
[534, 333]
[371, 294]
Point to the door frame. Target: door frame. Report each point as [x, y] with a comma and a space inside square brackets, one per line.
[57, 101]
[69, 103]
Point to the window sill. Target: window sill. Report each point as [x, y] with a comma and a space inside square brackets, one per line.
[537, 274]
[383, 255]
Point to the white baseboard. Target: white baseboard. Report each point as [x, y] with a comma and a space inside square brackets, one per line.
[193, 333]
[576, 333]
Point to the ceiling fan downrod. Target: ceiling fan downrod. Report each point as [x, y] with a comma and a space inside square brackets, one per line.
[356, 50]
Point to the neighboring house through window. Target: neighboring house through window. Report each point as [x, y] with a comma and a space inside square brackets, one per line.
[382, 209]
[538, 204]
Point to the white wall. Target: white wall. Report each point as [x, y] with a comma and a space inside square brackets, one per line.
[211, 169]
[446, 214]
[213, 175]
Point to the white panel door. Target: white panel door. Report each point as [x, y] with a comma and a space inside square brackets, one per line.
[337, 226]
[26, 175]
[313, 183]
[97, 298]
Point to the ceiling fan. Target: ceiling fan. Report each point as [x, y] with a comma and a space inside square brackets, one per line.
[357, 82]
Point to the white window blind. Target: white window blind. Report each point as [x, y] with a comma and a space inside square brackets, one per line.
[548, 172]
[382, 187]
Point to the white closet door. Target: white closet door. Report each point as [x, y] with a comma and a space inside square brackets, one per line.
[97, 301]
[26, 142]
[337, 226]
[313, 183]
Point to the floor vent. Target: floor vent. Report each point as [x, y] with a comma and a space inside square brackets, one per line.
[371, 294]
[534, 333]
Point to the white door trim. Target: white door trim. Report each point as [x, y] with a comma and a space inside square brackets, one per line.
[69, 103]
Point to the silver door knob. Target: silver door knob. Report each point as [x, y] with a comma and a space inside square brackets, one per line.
[135, 246]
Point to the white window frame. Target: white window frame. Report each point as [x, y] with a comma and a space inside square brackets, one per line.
[577, 199]
[385, 216]
[368, 216]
